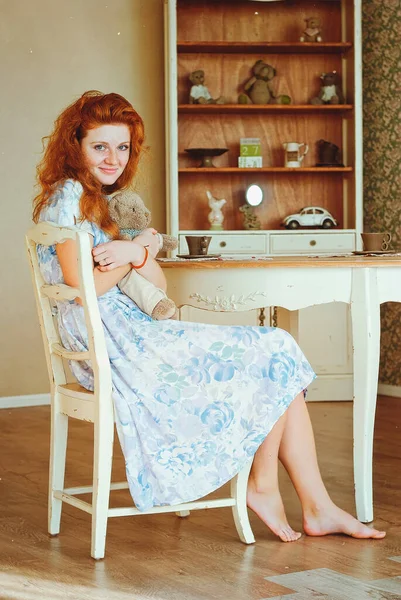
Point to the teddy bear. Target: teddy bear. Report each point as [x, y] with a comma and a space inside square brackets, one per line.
[330, 92]
[251, 221]
[199, 93]
[259, 89]
[312, 31]
[128, 210]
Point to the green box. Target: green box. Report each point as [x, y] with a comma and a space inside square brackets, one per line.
[250, 147]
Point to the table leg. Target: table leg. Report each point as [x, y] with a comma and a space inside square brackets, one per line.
[365, 312]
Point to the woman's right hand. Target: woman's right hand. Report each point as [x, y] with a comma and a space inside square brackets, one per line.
[149, 238]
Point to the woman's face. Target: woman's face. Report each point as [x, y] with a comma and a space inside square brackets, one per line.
[106, 151]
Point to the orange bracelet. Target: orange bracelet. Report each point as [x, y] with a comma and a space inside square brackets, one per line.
[144, 260]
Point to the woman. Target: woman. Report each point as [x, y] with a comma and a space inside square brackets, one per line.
[194, 402]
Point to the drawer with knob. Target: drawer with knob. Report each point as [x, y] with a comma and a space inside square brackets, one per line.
[248, 244]
[310, 243]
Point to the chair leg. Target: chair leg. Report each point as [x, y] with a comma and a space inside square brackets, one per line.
[240, 512]
[102, 464]
[58, 450]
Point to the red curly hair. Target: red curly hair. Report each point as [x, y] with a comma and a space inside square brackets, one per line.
[63, 157]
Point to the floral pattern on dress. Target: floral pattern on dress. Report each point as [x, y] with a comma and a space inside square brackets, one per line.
[193, 401]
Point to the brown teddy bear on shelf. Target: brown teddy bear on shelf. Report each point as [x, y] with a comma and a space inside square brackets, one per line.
[130, 213]
[259, 89]
[330, 92]
[312, 31]
[199, 93]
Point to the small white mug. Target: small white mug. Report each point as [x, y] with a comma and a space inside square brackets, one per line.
[293, 156]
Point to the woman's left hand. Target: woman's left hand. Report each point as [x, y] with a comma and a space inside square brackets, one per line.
[117, 253]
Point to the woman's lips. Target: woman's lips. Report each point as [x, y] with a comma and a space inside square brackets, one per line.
[108, 171]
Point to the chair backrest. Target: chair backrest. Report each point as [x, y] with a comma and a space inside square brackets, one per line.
[49, 234]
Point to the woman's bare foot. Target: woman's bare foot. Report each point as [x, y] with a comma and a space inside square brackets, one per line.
[332, 519]
[270, 509]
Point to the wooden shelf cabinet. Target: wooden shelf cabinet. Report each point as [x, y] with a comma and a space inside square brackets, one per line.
[225, 39]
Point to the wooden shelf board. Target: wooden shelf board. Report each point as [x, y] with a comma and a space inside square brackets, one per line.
[262, 108]
[263, 47]
[234, 170]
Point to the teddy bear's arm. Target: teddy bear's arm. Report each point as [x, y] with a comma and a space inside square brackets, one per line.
[169, 242]
[249, 83]
[340, 94]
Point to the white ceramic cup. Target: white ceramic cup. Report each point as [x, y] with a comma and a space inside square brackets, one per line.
[293, 155]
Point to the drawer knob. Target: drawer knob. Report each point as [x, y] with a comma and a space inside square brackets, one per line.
[312, 243]
[223, 244]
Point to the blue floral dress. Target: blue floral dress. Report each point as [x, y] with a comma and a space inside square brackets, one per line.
[193, 401]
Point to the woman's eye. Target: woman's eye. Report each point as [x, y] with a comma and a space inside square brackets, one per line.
[100, 147]
[124, 147]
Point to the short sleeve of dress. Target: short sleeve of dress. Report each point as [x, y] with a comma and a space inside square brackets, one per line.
[63, 207]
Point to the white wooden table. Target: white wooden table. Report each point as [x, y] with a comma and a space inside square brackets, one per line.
[294, 283]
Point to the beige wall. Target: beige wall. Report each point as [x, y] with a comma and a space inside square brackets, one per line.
[52, 51]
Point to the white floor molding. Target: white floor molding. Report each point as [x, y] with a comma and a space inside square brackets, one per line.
[386, 389]
[21, 401]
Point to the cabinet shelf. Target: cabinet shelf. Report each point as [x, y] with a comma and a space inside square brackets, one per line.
[234, 170]
[263, 47]
[262, 108]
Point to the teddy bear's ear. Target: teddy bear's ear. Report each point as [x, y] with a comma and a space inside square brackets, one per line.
[113, 203]
[116, 207]
[195, 74]
[258, 66]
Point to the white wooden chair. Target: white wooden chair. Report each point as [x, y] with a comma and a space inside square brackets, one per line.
[72, 400]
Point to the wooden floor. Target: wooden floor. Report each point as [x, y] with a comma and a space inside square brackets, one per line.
[166, 558]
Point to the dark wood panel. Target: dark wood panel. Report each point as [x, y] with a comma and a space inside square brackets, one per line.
[254, 22]
[283, 195]
[225, 75]
[225, 131]
[225, 39]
